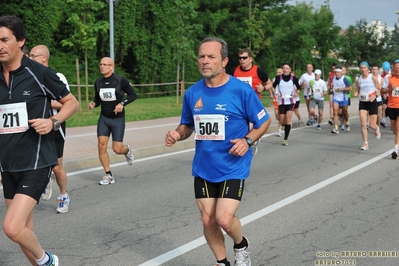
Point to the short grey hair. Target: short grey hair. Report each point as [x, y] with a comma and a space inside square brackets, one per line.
[224, 51]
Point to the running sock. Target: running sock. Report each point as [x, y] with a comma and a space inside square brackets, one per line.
[43, 260]
[109, 173]
[64, 195]
[396, 147]
[225, 261]
[287, 129]
[243, 244]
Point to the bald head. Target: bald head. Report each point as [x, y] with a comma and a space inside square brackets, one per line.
[106, 66]
[40, 54]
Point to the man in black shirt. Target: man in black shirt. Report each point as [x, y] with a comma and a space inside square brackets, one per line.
[109, 93]
[27, 152]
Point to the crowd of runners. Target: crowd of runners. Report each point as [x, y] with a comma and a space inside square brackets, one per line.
[377, 90]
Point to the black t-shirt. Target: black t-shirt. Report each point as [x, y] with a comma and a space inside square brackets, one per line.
[110, 92]
[35, 85]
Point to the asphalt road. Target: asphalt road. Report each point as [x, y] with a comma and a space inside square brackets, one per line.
[319, 200]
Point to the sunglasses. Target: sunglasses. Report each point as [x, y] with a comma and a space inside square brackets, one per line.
[243, 57]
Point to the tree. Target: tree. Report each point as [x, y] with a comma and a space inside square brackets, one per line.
[393, 45]
[293, 36]
[364, 42]
[325, 34]
[347, 49]
[38, 31]
[86, 28]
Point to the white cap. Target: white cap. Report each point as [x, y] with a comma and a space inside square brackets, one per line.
[317, 72]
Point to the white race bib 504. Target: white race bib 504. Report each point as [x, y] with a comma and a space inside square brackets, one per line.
[209, 127]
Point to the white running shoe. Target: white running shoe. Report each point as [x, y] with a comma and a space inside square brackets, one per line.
[255, 147]
[377, 134]
[242, 257]
[279, 133]
[129, 155]
[53, 260]
[365, 147]
[63, 204]
[107, 179]
[48, 191]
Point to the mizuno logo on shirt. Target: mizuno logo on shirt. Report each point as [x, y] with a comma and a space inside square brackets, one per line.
[220, 107]
[26, 93]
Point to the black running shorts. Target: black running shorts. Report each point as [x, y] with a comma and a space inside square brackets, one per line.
[231, 189]
[392, 113]
[116, 126]
[371, 107]
[283, 109]
[31, 183]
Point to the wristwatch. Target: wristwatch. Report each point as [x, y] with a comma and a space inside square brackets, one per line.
[249, 141]
[56, 124]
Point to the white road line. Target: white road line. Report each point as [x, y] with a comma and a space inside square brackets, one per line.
[127, 129]
[263, 212]
[124, 163]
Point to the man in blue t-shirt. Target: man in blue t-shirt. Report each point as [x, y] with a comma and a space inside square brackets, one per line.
[218, 109]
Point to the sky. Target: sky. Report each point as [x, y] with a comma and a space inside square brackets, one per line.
[348, 12]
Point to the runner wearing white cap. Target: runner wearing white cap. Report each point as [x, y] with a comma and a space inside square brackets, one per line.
[317, 90]
[341, 86]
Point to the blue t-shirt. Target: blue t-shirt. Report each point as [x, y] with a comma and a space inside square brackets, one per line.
[219, 115]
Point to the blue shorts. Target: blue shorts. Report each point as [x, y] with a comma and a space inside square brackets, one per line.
[341, 103]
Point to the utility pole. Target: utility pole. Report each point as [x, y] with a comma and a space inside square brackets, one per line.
[111, 27]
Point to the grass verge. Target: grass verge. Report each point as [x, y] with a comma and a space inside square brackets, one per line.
[141, 109]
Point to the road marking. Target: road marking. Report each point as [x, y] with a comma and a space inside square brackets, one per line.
[263, 212]
[124, 163]
[127, 129]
